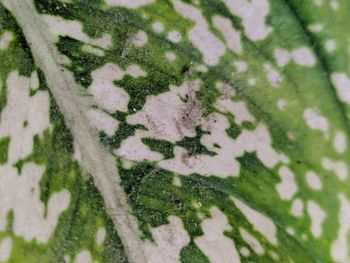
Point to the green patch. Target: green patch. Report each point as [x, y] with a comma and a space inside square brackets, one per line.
[125, 130]
[234, 130]
[4, 145]
[192, 254]
[193, 145]
[164, 147]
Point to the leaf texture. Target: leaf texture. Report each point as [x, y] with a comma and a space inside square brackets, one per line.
[174, 131]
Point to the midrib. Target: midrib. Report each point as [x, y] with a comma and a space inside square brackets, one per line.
[96, 160]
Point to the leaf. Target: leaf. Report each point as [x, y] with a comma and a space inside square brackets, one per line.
[174, 131]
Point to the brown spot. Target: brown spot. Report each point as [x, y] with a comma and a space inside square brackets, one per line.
[185, 158]
[156, 130]
[192, 111]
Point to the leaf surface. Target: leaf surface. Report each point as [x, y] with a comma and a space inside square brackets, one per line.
[199, 131]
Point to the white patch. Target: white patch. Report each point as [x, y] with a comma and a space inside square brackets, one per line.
[83, 257]
[241, 66]
[168, 117]
[274, 256]
[74, 29]
[158, 27]
[197, 204]
[261, 223]
[316, 28]
[201, 68]
[254, 244]
[107, 95]
[5, 39]
[334, 5]
[145, 15]
[297, 208]
[237, 109]
[19, 192]
[273, 76]
[318, 2]
[163, 114]
[282, 57]
[231, 35]
[330, 45]
[317, 216]
[253, 14]
[77, 154]
[224, 163]
[127, 164]
[290, 231]
[208, 44]
[100, 236]
[135, 71]
[177, 181]
[281, 104]
[134, 149]
[169, 240]
[103, 122]
[92, 50]
[341, 81]
[5, 249]
[303, 57]
[245, 252]
[226, 90]
[339, 249]
[174, 36]
[214, 244]
[129, 3]
[338, 167]
[140, 39]
[313, 180]
[170, 56]
[21, 108]
[315, 121]
[34, 81]
[265, 151]
[251, 82]
[287, 187]
[339, 142]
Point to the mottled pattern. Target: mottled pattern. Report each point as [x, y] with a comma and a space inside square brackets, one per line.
[50, 210]
[228, 122]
